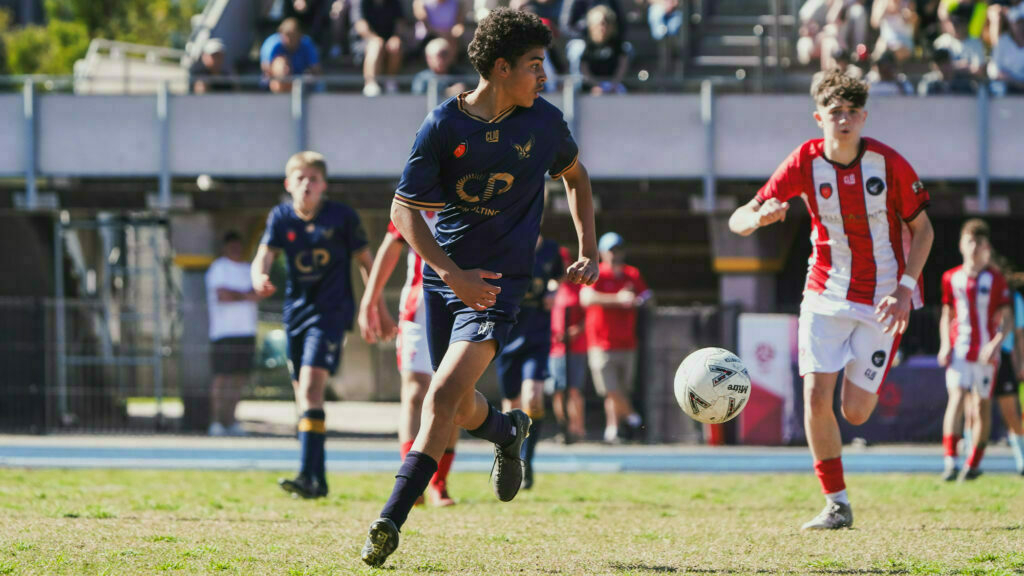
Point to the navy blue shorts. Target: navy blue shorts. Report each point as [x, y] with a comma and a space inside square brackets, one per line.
[317, 347]
[449, 320]
[521, 360]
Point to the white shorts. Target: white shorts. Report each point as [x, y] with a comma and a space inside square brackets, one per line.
[971, 376]
[851, 339]
[412, 348]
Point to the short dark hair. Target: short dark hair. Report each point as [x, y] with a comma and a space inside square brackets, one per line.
[836, 85]
[977, 228]
[231, 236]
[507, 34]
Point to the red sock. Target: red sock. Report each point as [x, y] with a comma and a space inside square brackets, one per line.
[949, 442]
[976, 454]
[406, 446]
[440, 479]
[830, 474]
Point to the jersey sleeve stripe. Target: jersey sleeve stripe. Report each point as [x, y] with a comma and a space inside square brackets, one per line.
[418, 205]
[575, 159]
[916, 212]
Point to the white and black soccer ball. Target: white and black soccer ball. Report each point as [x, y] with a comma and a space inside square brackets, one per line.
[712, 385]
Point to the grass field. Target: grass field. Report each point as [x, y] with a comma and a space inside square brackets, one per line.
[183, 522]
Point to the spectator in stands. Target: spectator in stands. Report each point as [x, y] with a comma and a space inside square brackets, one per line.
[885, 78]
[665, 19]
[315, 17]
[1006, 69]
[944, 78]
[965, 52]
[840, 59]
[210, 77]
[568, 360]
[812, 16]
[611, 305]
[976, 11]
[549, 11]
[379, 25]
[232, 309]
[896, 22]
[846, 28]
[574, 17]
[439, 19]
[604, 58]
[439, 55]
[297, 51]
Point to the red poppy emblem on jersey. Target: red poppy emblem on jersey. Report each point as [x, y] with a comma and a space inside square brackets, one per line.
[826, 190]
[291, 235]
[460, 150]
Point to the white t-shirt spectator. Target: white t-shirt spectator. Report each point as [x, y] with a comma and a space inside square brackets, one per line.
[229, 319]
[1008, 58]
[968, 53]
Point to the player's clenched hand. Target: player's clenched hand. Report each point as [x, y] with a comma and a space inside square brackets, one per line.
[944, 355]
[472, 287]
[388, 327]
[989, 352]
[893, 311]
[369, 323]
[771, 211]
[582, 271]
[263, 287]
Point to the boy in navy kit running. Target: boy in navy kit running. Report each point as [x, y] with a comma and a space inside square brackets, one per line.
[479, 161]
[320, 239]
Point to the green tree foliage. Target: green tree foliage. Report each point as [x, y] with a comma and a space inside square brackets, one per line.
[71, 24]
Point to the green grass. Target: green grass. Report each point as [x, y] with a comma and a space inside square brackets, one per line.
[55, 522]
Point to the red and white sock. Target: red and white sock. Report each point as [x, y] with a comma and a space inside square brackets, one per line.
[830, 474]
[949, 443]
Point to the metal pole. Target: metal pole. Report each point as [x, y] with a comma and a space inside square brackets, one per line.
[298, 114]
[569, 105]
[777, 35]
[58, 281]
[707, 116]
[29, 100]
[762, 53]
[983, 167]
[162, 116]
[158, 326]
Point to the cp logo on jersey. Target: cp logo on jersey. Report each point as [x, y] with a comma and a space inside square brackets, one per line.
[825, 190]
[490, 189]
[306, 262]
[875, 186]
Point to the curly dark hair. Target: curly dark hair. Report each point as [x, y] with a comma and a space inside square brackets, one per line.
[835, 85]
[507, 34]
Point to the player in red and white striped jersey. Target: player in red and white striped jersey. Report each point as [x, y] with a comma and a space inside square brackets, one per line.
[976, 317]
[871, 237]
[413, 354]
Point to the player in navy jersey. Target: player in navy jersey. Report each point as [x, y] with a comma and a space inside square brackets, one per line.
[479, 161]
[523, 362]
[320, 239]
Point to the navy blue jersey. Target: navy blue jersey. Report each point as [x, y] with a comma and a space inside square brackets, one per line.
[534, 320]
[319, 255]
[486, 181]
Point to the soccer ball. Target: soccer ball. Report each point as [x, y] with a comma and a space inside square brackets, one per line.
[712, 385]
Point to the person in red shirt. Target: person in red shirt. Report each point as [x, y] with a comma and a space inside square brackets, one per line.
[975, 319]
[568, 359]
[611, 305]
[871, 237]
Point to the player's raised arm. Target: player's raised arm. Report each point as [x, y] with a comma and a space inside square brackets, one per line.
[374, 317]
[581, 205]
[470, 286]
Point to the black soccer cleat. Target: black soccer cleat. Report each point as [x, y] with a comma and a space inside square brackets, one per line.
[507, 473]
[381, 542]
[303, 487]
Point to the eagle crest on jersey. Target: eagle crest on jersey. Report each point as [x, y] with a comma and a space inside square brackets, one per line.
[525, 149]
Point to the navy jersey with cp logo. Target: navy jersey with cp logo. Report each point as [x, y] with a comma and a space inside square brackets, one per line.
[485, 178]
[319, 254]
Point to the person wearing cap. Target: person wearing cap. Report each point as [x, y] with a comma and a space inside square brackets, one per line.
[210, 75]
[611, 305]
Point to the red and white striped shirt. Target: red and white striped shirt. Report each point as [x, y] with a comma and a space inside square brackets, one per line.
[858, 214]
[410, 308]
[975, 303]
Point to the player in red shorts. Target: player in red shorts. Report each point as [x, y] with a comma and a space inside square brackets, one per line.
[870, 236]
[413, 354]
[976, 310]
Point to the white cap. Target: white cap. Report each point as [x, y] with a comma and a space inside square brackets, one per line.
[213, 46]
